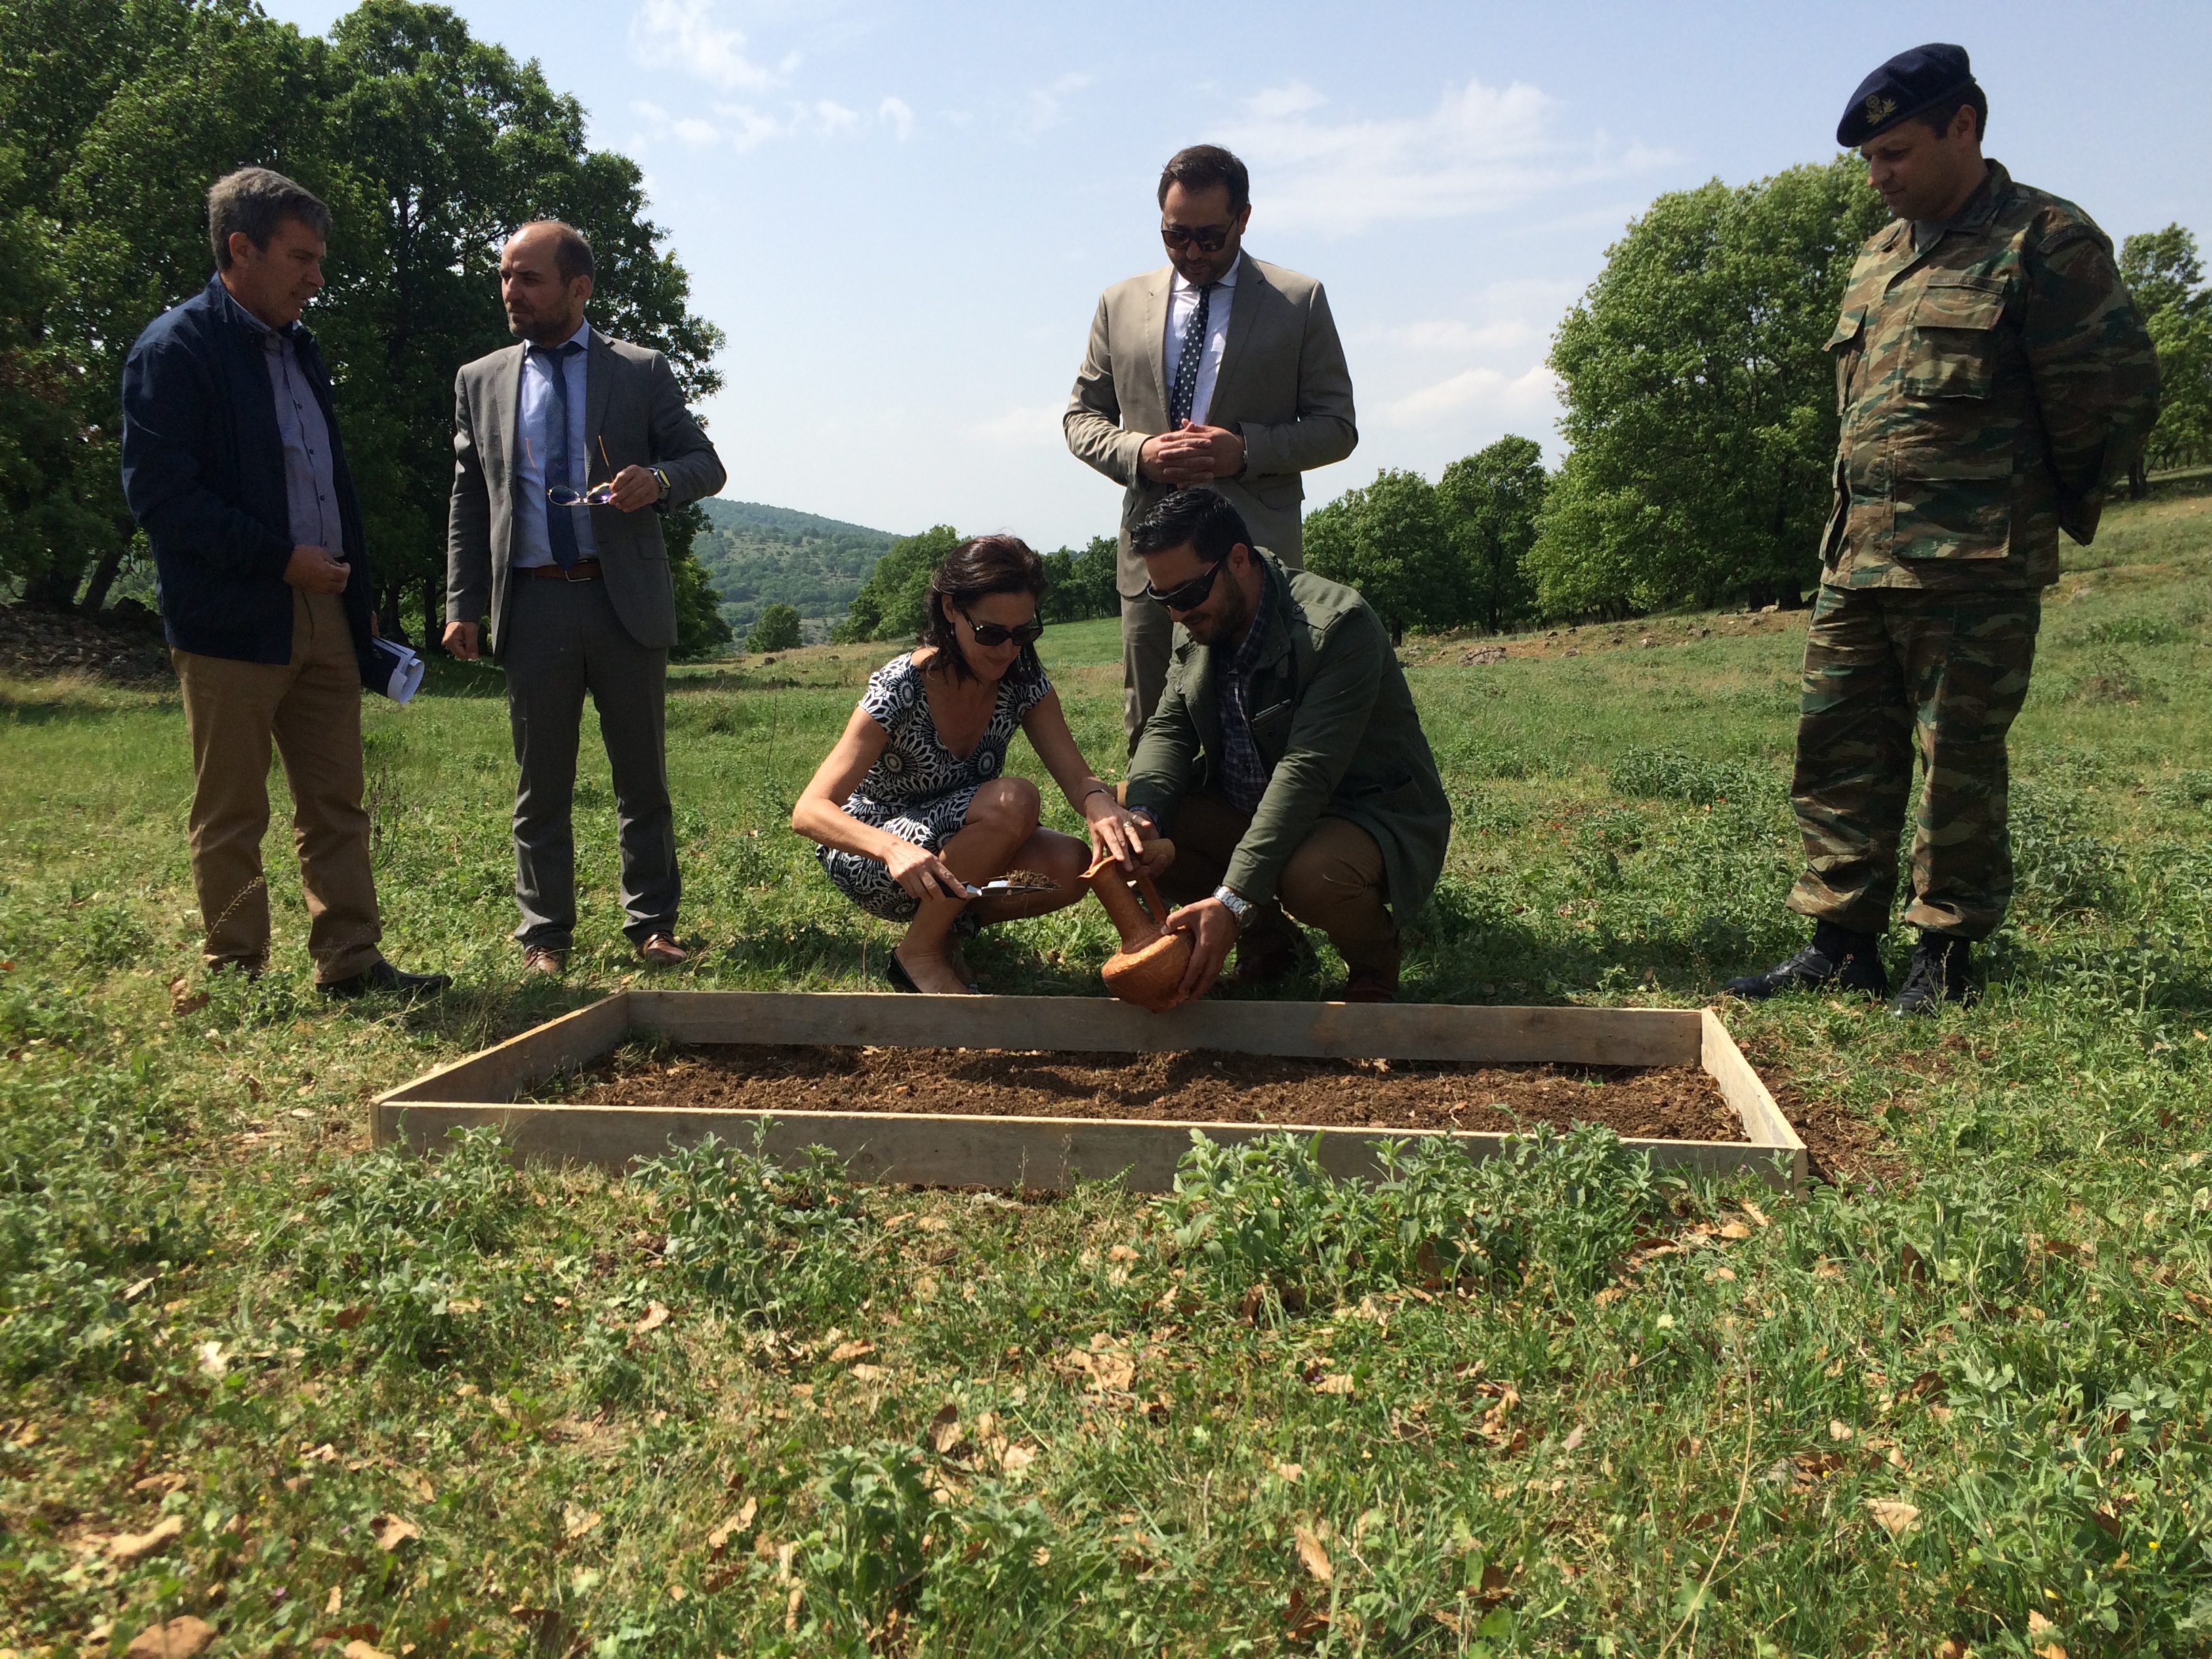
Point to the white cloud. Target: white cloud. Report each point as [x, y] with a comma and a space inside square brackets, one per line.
[1479, 150]
[896, 113]
[1498, 397]
[836, 118]
[1047, 104]
[684, 33]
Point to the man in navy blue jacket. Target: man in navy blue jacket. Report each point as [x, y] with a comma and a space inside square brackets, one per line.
[232, 465]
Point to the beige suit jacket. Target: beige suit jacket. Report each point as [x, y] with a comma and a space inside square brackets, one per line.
[1283, 384]
[633, 407]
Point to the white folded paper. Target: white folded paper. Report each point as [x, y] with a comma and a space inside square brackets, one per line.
[405, 669]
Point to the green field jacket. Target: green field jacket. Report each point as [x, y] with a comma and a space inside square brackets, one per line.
[1990, 389]
[1335, 726]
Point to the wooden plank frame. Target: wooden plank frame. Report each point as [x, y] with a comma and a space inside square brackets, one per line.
[946, 1150]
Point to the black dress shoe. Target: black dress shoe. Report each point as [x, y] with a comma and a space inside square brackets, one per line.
[384, 977]
[1940, 973]
[1837, 959]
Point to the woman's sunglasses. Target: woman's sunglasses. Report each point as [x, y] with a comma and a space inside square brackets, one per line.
[1189, 595]
[991, 634]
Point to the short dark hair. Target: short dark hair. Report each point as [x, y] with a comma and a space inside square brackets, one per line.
[1199, 519]
[1201, 168]
[572, 252]
[979, 566]
[256, 201]
[1971, 96]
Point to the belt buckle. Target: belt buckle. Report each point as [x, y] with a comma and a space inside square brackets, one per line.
[568, 572]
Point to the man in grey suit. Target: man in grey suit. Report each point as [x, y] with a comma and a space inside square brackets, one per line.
[560, 446]
[1217, 370]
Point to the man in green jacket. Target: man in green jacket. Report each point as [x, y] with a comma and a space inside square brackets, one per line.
[1993, 375]
[1285, 760]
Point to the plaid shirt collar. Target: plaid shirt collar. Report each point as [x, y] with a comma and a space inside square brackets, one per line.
[1243, 774]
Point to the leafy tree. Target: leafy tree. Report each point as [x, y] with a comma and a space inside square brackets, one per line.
[702, 630]
[1700, 398]
[1393, 541]
[1082, 584]
[1490, 500]
[889, 605]
[2167, 278]
[776, 630]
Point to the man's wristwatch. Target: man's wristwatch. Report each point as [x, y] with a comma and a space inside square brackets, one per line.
[662, 478]
[1238, 908]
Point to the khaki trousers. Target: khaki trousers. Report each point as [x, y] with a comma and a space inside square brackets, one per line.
[1334, 882]
[310, 708]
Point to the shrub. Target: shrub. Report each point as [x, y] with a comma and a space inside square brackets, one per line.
[1672, 775]
[776, 630]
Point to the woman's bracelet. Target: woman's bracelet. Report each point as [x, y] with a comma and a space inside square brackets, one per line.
[1098, 789]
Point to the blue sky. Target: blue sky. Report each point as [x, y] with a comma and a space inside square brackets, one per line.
[902, 215]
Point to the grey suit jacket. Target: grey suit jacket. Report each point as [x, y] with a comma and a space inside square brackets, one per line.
[631, 404]
[1283, 384]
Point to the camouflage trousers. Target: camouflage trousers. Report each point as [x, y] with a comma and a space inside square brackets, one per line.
[1889, 672]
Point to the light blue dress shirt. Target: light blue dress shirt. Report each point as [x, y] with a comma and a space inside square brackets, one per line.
[311, 491]
[530, 546]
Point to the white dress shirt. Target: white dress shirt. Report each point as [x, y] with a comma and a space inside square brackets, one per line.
[530, 546]
[1182, 299]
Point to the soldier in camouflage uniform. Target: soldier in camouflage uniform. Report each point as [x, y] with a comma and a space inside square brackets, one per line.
[1992, 374]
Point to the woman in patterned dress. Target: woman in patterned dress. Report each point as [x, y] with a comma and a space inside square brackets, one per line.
[911, 808]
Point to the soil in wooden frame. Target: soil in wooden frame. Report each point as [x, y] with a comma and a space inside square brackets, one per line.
[1680, 1102]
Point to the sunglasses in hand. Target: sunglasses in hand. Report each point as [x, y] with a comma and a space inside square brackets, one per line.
[598, 495]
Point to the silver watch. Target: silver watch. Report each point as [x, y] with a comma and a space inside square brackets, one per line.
[1226, 897]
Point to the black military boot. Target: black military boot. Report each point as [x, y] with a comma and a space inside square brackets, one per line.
[1940, 973]
[1837, 959]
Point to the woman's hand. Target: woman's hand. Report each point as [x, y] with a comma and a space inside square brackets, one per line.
[922, 874]
[1115, 831]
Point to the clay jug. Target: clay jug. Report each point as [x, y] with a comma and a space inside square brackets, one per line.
[1148, 968]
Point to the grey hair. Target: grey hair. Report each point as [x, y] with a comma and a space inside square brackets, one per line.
[255, 201]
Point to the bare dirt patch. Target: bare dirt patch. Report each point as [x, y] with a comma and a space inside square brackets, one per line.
[1669, 1102]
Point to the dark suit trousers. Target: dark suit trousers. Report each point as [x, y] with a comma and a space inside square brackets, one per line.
[563, 640]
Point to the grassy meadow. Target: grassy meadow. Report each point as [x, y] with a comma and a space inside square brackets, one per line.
[330, 1400]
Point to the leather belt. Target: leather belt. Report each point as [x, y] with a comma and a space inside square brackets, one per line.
[584, 570]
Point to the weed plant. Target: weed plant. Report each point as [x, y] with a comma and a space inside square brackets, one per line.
[315, 1392]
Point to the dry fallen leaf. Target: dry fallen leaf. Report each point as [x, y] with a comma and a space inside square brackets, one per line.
[132, 1547]
[183, 1000]
[1334, 1383]
[1951, 1647]
[1015, 1459]
[2039, 1626]
[870, 1373]
[1290, 1471]
[1120, 1253]
[656, 1316]
[358, 1649]
[1755, 1214]
[180, 1639]
[1893, 1516]
[213, 1362]
[719, 1540]
[575, 1520]
[942, 1433]
[853, 1349]
[1574, 1438]
[1735, 1229]
[1315, 1557]
[391, 1532]
[1839, 1429]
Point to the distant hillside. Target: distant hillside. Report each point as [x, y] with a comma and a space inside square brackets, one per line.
[757, 556]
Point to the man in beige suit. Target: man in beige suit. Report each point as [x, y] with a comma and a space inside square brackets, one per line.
[1217, 370]
[566, 451]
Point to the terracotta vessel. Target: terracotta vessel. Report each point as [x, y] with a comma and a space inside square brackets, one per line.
[1148, 969]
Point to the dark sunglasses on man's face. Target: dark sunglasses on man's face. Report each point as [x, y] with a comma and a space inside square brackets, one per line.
[1189, 595]
[991, 634]
[1211, 239]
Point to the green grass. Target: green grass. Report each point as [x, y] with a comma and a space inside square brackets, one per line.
[1581, 1410]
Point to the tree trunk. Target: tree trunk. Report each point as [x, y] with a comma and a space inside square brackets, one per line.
[2138, 480]
[430, 628]
[103, 577]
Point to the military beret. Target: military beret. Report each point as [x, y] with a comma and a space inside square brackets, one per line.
[1901, 89]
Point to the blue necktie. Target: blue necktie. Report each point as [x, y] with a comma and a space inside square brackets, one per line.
[1185, 389]
[560, 521]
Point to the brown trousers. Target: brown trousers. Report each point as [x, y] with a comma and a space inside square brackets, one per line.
[310, 708]
[1334, 881]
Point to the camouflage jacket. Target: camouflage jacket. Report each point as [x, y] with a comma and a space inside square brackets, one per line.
[1989, 389]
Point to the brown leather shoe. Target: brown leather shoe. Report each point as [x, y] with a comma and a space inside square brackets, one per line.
[661, 952]
[538, 959]
[1371, 985]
